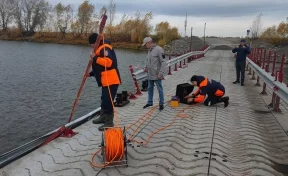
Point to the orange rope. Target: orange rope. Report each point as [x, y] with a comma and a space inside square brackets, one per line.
[179, 114]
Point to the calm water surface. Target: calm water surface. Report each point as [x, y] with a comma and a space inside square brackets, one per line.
[39, 83]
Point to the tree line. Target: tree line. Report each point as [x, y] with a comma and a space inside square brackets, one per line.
[277, 35]
[38, 18]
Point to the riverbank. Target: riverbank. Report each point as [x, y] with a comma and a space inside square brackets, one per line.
[179, 45]
[120, 45]
[60, 38]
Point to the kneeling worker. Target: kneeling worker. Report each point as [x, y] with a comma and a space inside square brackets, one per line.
[213, 89]
[105, 70]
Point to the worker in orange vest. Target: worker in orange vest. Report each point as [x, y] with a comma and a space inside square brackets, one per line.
[212, 88]
[105, 70]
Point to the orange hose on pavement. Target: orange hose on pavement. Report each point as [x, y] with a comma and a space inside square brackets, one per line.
[179, 114]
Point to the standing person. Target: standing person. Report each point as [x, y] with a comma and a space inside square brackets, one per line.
[242, 51]
[105, 70]
[155, 68]
[215, 91]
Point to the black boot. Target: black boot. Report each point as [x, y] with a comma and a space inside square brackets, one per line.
[101, 118]
[242, 83]
[235, 82]
[225, 100]
[108, 122]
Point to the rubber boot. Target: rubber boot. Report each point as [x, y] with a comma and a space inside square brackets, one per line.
[225, 100]
[101, 118]
[108, 122]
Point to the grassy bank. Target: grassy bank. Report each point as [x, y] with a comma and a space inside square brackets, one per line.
[69, 39]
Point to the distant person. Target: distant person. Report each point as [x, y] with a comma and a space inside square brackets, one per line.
[103, 57]
[212, 88]
[242, 51]
[155, 68]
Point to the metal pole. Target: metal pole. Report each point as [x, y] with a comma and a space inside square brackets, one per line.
[169, 73]
[191, 40]
[204, 32]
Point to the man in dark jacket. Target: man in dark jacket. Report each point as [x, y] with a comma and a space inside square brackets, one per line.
[105, 70]
[242, 51]
[212, 88]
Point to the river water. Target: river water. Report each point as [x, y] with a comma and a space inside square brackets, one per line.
[39, 83]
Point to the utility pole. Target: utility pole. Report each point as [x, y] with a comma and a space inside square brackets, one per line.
[185, 24]
[204, 32]
[191, 40]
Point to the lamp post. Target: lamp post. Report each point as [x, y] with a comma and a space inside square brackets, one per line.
[191, 40]
[204, 32]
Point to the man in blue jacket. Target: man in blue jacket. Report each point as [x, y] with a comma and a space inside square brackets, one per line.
[105, 70]
[242, 51]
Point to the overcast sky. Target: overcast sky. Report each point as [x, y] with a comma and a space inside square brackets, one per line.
[223, 17]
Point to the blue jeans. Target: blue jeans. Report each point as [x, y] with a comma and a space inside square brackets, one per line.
[151, 91]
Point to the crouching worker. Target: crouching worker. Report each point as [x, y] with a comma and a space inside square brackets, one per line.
[213, 89]
[105, 70]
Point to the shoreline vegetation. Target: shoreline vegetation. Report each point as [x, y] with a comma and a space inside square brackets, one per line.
[40, 21]
[75, 41]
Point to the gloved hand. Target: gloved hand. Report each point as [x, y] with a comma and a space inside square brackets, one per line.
[90, 74]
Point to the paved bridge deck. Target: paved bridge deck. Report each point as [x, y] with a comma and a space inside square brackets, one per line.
[243, 139]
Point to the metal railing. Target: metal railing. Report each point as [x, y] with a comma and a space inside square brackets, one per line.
[193, 55]
[260, 63]
[22, 150]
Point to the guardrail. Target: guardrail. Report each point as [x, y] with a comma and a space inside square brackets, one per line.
[22, 150]
[189, 56]
[259, 64]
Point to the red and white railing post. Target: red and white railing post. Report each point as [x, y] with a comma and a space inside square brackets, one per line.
[138, 92]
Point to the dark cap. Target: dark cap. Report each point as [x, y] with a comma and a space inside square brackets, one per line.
[93, 38]
[243, 40]
[194, 78]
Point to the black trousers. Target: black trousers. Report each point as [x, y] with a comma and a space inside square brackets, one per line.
[106, 103]
[240, 68]
[212, 99]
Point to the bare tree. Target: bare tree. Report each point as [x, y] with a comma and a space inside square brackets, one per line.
[68, 15]
[51, 21]
[6, 12]
[18, 14]
[63, 16]
[111, 11]
[31, 14]
[256, 26]
[40, 15]
[59, 8]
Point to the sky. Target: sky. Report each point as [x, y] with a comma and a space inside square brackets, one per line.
[224, 18]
